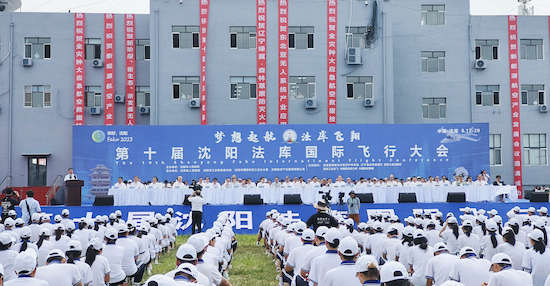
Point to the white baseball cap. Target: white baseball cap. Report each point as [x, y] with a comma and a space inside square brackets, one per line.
[348, 246]
[111, 233]
[491, 225]
[45, 232]
[300, 226]
[481, 218]
[74, 245]
[452, 220]
[321, 231]
[118, 213]
[467, 223]
[451, 283]
[25, 232]
[494, 212]
[408, 231]
[392, 271]
[56, 253]
[440, 246]
[540, 223]
[199, 242]
[497, 219]
[12, 213]
[467, 210]
[543, 210]
[188, 269]
[365, 262]
[308, 235]
[161, 280]
[536, 235]
[9, 222]
[333, 234]
[531, 210]
[57, 218]
[65, 212]
[36, 217]
[419, 233]
[466, 250]
[513, 221]
[121, 227]
[59, 226]
[97, 244]
[186, 252]
[5, 238]
[70, 225]
[25, 262]
[170, 210]
[378, 225]
[349, 222]
[502, 258]
[516, 209]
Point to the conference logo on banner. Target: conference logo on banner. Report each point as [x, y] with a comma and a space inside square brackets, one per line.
[79, 46]
[109, 69]
[254, 151]
[515, 92]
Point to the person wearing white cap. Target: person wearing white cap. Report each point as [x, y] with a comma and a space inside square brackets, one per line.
[419, 255]
[439, 266]
[58, 272]
[59, 239]
[373, 243]
[491, 241]
[44, 246]
[450, 236]
[187, 254]
[297, 255]
[394, 274]
[65, 213]
[1, 275]
[468, 238]
[469, 270]
[131, 253]
[7, 256]
[35, 226]
[200, 242]
[25, 267]
[115, 255]
[9, 223]
[432, 234]
[402, 249]
[186, 274]
[99, 265]
[330, 260]
[344, 275]
[25, 243]
[505, 275]
[73, 254]
[263, 227]
[512, 247]
[537, 259]
[83, 234]
[389, 246]
[160, 280]
[295, 240]
[543, 212]
[367, 271]
[312, 254]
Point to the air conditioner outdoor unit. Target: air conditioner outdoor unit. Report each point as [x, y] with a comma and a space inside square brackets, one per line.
[27, 62]
[144, 109]
[97, 63]
[195, 103]
[481, 64]
[354, 56]
[369, 102]
[543, 108]
[311, 103]
[119, 98]
[95, 110]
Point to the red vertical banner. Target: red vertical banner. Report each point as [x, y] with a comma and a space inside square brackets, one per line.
[129, 28]
[109, 25]
[283, 61]
[261, 20]
[332, 32]
[79, 68]
[205, 6]
[513, 49]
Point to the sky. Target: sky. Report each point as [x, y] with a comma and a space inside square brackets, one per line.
[477, 7]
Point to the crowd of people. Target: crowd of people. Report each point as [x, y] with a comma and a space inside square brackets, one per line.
[482, 179]
[110, 251]
[476, 248]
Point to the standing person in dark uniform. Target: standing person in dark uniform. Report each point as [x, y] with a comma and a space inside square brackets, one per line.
[9, 202]
[321, 217]
[197, 201]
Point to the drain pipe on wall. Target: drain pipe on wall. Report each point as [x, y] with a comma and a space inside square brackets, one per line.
[157, 66]
[10, 98]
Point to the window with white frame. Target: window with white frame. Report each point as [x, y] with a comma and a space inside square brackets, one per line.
[92, 95]
[242, 37]
[38, 96]
[185, 87]
[359, 87]
[243, 87]
[487, 49]
[434, 107]
[143, 50]
[93, 49]
[534, 149]
[487, 95]
[433, 61]
[143, 96]
[185, 37]
[300, 38]
[38, 48]
[531, 49]
[301, 87]
[532, 94]
[356, 37]
[432, 15]
[495, 153]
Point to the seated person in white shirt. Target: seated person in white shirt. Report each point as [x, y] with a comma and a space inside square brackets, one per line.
[71, 175]
[227, 183]
[268, 183]
[459, 181]
[262, 183]
[215, 183]
[339, 182]
[295, 182]
[206, 183]
[469, 181]
[301, 183]
[349, 182]
[287, 183]
[314, 183]
[179, 183]
[444, 181]
[155, 184]
[135, 184]
[234, 183]
[329, 183]
[480, 181]
[120, 184]
[276, 183]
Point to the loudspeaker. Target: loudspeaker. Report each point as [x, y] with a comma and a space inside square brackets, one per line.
[253, 200]
[407, 198]
[54, 202]
[104, 200]
[527, 194]
[365, 198]
[538, 197]
[186, 201]
[456, 197]
[293, 199]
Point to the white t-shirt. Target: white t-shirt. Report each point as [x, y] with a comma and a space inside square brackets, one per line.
[418, 259]
[131, 251]
[214, 276]
[450, 240]
[515, 252]
[32, 205]
[118, 185]
[510, 277]
[201, 278]
[292, 242]
[343, 275]
[85, 271]
[374, 243]
[322, 264]
[433, 237]
[538, 265]
[402, 251]
[99, 269]
[439, 267]
[7, 258]
[471, 271]
[487, 246]
[25, 281]
[196, 203]
[114, 255]
[59, 274]
[43, 252]
[35, 230]
[471, 241]
[389, 246]
[311, 255]
[297, 256]
[60, 244]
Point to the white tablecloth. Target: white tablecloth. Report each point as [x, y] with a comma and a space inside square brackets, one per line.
[127, 197]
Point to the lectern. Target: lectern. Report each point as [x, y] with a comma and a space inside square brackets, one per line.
[73, 192]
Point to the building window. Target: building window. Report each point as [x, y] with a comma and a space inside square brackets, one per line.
[495, 149]
[143, 96]
[487, 95]
[434, 108]
[357, 37]
[93, 49]
[38, 48]
[487, 49]
[185, 37]
[242, 37]
[38, 96]
[185, 87]
[92, 94]
[359, 87]
[300, 38]
[143, 50]
[534, 149]
[433, 15]
[301, 87]
[532, 94]
[531, 50]
[433, 61]
[243, 87]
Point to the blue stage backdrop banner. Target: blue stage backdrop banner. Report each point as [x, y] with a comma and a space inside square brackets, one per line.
[103, 153]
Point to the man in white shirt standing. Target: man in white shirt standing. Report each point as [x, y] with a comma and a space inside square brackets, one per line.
[197, 201]
[29, 206]
[119, 184]
[71, 175]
